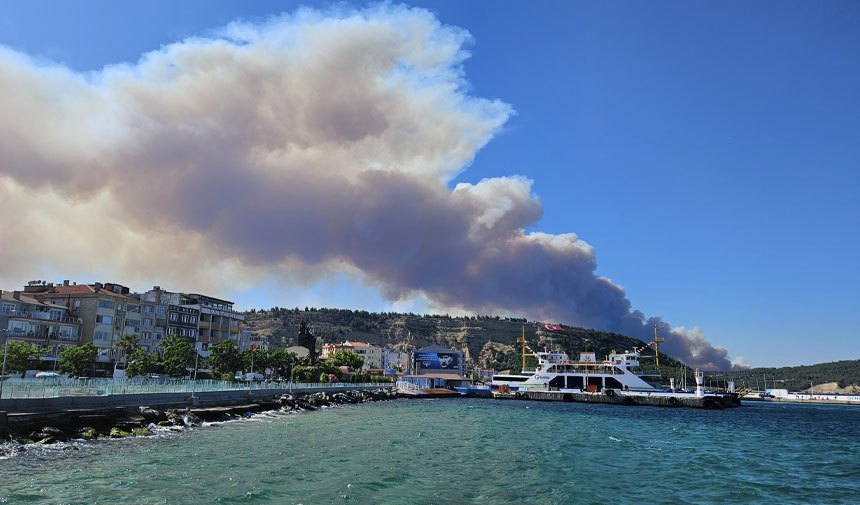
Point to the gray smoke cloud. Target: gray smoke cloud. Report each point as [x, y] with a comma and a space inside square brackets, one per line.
[318, 141]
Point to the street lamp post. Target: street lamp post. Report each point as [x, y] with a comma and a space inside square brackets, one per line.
[5, 350]
[194, 382]
[292, 368]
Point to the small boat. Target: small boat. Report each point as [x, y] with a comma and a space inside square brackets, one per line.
[474, 390]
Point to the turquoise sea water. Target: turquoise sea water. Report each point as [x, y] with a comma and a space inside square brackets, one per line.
[465, 451]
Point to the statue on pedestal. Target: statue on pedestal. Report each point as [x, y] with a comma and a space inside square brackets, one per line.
[308, 341]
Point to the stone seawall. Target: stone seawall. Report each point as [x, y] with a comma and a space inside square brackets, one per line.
[157, 410]
[64, 403]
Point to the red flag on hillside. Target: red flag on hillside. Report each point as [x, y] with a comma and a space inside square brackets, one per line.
[552, 327]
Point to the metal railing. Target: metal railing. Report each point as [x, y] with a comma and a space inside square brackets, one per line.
[57, 387]
[408, 386]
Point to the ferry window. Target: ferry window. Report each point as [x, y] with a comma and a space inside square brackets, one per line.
[557, 382]
[574, 382]
[613, 383]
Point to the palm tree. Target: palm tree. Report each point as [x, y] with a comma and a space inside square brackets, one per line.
[128, 343]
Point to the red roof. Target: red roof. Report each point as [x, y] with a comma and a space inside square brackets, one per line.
[24, 298]
[82, 289]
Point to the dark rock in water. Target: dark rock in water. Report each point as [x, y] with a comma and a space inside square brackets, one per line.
[164, 424]
[49, 435]
[118, 433]
[71, 448]
[141, 432]
[182, 417]
[130, 422]
[88, 433]
[286, 400]
[152, 415]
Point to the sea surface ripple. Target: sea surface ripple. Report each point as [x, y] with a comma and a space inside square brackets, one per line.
[464, 451]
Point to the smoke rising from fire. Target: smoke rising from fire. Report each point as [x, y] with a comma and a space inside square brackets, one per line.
[315, 142]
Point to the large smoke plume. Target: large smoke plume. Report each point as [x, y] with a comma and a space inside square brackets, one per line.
[312, 143]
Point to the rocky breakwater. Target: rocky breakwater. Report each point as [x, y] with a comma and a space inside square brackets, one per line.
[116, 423]
[312, 401]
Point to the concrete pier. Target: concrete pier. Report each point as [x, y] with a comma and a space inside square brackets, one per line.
[615, 397]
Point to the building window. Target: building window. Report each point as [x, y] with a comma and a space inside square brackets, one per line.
[107, 304]
[9, 309]
[193, 319]
[76, 304]
[147, 309]
[161, 310]
[104, 319]
[101, 335]
[173, 316]
[147, 322]
[134, 308]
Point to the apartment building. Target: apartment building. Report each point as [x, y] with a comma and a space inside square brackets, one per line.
[218, 321]
[373, 355]
[248, 340]
[48, 326]
[178, 319]
[106, 311]
[204, 320]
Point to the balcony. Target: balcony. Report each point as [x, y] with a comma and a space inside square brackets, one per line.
[44, 316]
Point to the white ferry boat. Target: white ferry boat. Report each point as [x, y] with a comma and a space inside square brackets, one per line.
[556, 372]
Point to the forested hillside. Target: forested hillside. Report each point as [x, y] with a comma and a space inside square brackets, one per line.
[487, 341]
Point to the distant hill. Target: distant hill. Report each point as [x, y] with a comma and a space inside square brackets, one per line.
[490, 342]
[844, 375]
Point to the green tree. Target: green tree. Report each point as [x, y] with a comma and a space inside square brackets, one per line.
[19, 355]
[282, 362]
[225, 358]
[77, 360]
[259, 363]
[178, 356]
[141, 363]
[304, 373]
[128, 343]
[346, 358]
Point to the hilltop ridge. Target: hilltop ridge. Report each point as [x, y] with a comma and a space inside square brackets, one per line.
[488, 341]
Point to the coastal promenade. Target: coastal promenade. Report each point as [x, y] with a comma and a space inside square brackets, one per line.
[40, 396]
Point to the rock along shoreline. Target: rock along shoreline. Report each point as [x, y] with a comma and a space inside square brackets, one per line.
[57, 427]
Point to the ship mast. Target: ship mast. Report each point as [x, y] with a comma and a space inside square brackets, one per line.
[657, 342]
[522, 340]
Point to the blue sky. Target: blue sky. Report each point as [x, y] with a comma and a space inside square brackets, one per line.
[709, 152]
